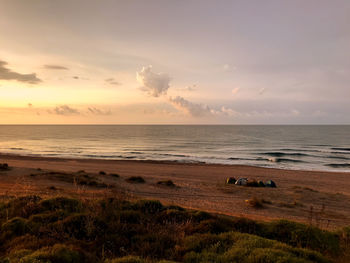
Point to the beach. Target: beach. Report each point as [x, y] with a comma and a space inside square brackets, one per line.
[320, 198]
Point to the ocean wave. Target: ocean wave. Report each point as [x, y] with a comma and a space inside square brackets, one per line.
[340, 152]
[338, 165]
[341, 149]
[281, 154]
[102, 156]
[174, 155]
[241, 159]
[300, 150]
[337, 157]
[284, 160]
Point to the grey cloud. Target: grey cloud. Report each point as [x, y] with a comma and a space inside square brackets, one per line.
[189, 107]
[262, 91]
[7, 74]
[96, 111]
[189, 88]
[155, 84]
[64, 110]
[112, 81]
[55, 67]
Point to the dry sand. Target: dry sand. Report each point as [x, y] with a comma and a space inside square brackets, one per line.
[319, 198]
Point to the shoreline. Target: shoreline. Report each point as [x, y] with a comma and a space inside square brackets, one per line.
[198, 186]
[88, 159]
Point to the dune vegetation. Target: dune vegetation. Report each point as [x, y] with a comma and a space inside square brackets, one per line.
[63, 229]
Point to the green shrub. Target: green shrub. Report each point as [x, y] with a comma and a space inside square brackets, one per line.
[61, 203]
[175, 216]
[60, 229]
[4, 167]
[300, 235]
[201, 215]
[255, 202]
[14, 227]
[149, 206]
[156, 244]
[237, 247]
[136, 179]
[216, 225]
[130, 216]
[74, 225]
[127, 259]
[20, 207]
[56, 254]
[168, 183]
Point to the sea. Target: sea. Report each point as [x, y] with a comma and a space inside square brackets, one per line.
[300, 147]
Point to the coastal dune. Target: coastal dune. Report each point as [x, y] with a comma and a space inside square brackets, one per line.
[316, 197]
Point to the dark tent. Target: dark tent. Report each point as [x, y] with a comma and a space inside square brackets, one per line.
[230, 180]
[270, 183]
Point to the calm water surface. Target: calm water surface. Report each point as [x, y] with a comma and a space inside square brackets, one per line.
[292, 147]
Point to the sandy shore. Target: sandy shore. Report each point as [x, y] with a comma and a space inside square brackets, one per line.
[320, 198]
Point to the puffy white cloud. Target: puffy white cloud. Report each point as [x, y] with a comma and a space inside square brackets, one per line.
[188, 107]
[155, 84]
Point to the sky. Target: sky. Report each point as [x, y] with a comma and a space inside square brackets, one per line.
[175, 62]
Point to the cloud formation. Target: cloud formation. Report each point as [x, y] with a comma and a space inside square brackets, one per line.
[193, 109]
[55, 67]
[155, 84]
[7, 74]
[235, 90]
[64, 110]
[262, 91]
[112, 81]
[96, 111]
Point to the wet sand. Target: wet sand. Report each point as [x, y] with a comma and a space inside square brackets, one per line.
[314, 197]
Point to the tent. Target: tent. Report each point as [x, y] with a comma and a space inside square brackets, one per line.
[261, 184]
[230, 180]
[270, 183]
[242, 181]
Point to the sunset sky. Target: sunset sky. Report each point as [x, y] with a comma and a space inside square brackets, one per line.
[171, 62]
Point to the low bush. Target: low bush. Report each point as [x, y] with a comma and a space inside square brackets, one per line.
[4, 167]
[255, 202]
[168, 183]
[136, 179]
[115, 230]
